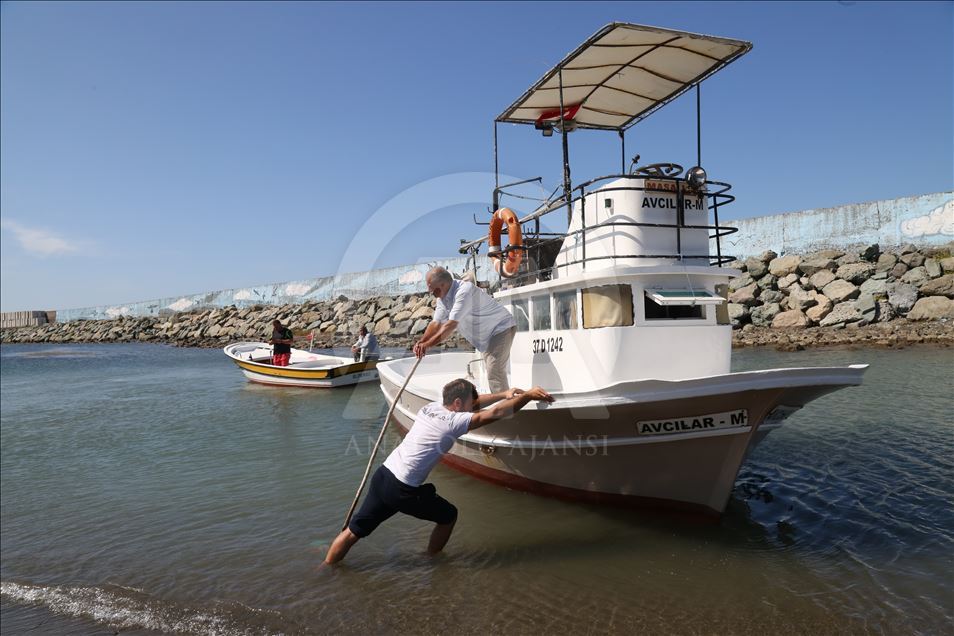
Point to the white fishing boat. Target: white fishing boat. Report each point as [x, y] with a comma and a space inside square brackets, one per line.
[621, 316]
[305, 368]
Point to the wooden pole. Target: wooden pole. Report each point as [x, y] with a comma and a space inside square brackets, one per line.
[367, 471]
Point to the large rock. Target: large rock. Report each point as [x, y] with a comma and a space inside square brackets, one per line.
[424, 311]
[848, 259]
[820, 310]
[821, 278]
[841, 314]
[932, 267]
[787, 281]
[419, 326]
[868, 308]
[767, 256]
[932, 308]
[810, 266]
[855, 272]
[943, 286]
[947, 264]
[886, 262]
[792, 318]
[762, 316]
[755, 267]
[885, 310]
[826, 254]
[874, 287]
[871, 253]
[898, 270]
[912, 260]
[767, 281]
[908, 248]
[917, 277]
[738, 314]
[745, 296]
[902, 297]
[382, 326]
[742, 281]
[800, 300]
[784, 265]
[840, 290]
[771, 296]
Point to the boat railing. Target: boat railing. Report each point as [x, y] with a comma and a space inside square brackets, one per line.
[545, 245]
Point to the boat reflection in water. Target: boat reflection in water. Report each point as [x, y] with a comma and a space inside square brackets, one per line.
[622, 316]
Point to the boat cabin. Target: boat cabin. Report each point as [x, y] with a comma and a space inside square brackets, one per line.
[635, 288]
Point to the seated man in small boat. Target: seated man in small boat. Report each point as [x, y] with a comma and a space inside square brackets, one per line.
[484, 322]
[366, 346]
[398, 485]
[282, 339]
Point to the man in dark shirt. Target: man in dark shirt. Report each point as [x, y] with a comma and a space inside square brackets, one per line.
[281, 341]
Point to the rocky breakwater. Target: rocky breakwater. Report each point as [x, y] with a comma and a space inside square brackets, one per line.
[836, 297]
[792, 301]
[395, 320]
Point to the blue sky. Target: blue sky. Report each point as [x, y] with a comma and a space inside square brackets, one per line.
[150, 150]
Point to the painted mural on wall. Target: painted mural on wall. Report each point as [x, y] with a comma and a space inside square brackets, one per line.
[923, 220]
[392, 281]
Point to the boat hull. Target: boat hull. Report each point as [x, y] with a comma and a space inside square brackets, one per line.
[604, 449]
[306, 369]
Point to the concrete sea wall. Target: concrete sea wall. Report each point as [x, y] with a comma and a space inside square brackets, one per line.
[922, 220]
[391, 281]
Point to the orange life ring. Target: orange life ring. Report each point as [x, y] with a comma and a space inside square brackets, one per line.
[509, 266]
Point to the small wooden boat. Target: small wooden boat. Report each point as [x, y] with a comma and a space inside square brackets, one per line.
[305, 368]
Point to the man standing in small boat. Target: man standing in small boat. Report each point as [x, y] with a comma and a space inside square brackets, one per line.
[398, 485]
[282, 339]
[484, 322]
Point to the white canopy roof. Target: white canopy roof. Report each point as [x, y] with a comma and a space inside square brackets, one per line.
[622, 74]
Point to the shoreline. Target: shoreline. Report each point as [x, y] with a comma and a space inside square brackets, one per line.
[896, 334]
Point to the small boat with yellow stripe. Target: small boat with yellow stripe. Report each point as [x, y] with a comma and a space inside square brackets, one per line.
[305, 368]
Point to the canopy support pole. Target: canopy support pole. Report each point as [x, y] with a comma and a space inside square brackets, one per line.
[698, 128]
[567, 187]
[622, 151]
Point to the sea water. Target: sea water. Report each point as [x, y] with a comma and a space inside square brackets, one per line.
[151, 489]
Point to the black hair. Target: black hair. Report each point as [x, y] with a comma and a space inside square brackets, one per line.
[459, 388]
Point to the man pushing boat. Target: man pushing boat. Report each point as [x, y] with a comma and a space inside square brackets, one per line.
[398, 485]
[485, 323]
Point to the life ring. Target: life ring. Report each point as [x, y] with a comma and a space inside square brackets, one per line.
[507, 267]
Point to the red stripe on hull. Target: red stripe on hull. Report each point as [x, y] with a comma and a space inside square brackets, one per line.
[690, 511]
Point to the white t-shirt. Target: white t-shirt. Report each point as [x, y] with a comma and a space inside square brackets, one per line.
[368, 342]
[479, 317]
[432, 434]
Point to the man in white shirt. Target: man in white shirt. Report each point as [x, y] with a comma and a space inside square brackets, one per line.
[398, 485]
[366, 346]
[484, 322]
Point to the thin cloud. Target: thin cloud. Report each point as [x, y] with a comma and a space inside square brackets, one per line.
[39, 241]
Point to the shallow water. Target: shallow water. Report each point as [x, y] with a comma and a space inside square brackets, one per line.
[151, 489]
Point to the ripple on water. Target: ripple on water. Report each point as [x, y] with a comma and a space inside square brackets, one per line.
[163, 471]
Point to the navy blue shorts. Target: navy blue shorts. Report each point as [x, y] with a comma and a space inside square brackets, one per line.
[388, 495]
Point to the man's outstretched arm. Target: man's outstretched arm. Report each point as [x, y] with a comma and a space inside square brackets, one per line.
[508, 406]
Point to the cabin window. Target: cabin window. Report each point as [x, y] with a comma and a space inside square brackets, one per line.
[679, 304]
[541, 313]
[655, 311]
[608, 306]
[565, 310]
[521, 315]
